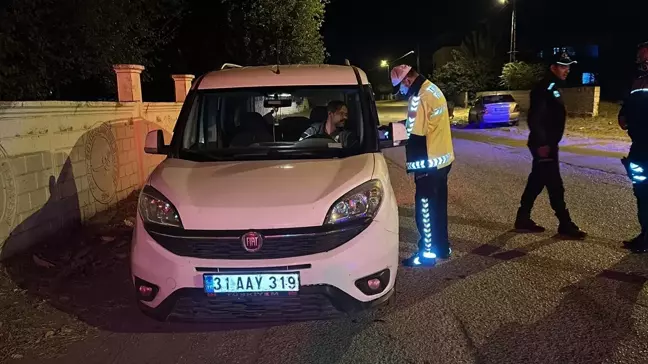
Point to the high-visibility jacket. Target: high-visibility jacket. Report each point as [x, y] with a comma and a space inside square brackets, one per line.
[429, 145]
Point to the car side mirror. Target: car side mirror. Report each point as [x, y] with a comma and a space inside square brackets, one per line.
[393, 135]
[154, 143]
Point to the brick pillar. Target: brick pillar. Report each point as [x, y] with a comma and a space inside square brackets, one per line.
[182, 86]
[129, 86]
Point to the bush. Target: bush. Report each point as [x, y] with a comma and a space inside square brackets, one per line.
[464, 73]
[521, 75]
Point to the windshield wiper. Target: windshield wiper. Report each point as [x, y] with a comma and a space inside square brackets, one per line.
[231, 154]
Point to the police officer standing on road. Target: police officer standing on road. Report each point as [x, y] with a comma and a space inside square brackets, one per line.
[546, 119]
[633, 117]
[429, 155]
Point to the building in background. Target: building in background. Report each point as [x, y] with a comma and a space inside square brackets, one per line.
[586, 72]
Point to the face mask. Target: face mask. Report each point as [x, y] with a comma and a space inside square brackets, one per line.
[404, 89]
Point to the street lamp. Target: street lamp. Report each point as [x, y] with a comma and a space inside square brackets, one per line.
[385, 63]
[512, 51]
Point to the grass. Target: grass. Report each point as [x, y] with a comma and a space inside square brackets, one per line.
[603, 126]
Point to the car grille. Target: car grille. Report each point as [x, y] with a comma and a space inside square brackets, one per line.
[202, 308]
[276, 244]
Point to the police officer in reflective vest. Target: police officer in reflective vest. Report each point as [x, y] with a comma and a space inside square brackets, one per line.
[546, 119]
[633, 117]
[429, 155]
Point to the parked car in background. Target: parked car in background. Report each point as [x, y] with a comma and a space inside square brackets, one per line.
[494, 108]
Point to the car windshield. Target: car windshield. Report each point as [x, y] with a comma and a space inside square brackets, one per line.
[492, 99]
[274, 123]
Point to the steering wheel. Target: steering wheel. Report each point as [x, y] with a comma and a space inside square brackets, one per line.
[319, 136]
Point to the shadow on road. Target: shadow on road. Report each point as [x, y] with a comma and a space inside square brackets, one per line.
[96, 286]
[586, 327]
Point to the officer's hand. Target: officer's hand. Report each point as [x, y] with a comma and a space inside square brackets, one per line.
[543, 151]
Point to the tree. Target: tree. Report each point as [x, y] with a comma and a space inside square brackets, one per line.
[485, 42]
[270, 32]
[66, 48]
[464, 74]
[521, 75]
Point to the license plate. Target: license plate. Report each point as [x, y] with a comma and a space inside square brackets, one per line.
[253, 283]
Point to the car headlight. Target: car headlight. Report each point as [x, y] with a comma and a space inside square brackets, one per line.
[361, 202]
[157, 209]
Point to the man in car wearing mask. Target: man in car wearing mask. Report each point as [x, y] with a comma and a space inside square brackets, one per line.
[547, 116]
[633, 117]
[429, 155]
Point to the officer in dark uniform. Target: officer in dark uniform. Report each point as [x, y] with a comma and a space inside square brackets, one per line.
[633, 117]
[546, 119]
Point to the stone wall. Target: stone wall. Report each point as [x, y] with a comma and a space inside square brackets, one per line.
[581, 101]
[62, 162]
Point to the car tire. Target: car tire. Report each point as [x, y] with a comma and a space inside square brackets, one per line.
[514, 123]
[374, 313]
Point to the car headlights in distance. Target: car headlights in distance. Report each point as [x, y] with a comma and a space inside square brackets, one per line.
[157, 209]
[361, 202]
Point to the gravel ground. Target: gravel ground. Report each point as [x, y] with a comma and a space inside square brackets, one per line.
[502, 298]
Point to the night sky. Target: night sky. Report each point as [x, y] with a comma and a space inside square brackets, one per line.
[367, 31]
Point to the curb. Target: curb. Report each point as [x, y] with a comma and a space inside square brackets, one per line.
[485, 138]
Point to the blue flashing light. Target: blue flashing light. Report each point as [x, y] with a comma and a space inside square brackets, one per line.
[588, 78]
[639, 90]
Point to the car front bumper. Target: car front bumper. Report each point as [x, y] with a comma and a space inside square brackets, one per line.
[328, 280]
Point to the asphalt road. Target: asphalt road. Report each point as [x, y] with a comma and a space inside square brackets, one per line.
[502, 298]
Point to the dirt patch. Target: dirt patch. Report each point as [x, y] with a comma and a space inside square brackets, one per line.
[49, 294]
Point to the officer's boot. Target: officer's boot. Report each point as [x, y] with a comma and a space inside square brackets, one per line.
[628, 244]
[638, 245]
[567, 228]
[524, 223]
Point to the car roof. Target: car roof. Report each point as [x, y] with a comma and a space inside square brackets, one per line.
[288, 75]
[494, 93]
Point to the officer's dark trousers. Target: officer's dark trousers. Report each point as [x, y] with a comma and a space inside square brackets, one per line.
[545, 172]
[640, 188]
[432, 211]
[641, 193]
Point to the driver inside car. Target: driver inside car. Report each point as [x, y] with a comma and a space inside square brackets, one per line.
[333, 127]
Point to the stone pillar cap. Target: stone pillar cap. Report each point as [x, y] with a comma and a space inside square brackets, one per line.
[183, 77]
[128, 67]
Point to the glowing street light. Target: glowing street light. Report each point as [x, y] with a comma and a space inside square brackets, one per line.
[385, 63]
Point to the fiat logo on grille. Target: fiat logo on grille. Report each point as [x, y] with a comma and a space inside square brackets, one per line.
[252, 241]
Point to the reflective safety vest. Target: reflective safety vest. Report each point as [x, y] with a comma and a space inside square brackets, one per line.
[429, 144]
